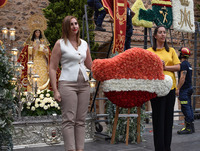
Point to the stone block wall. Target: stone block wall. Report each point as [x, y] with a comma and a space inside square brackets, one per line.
[16, 13]
[196, 10]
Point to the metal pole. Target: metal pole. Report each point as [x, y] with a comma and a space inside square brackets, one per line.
[87, 27]
[171, 38]
[83, 31]
[145, 38]
[98, 85]
[195, 64]
[150, 36]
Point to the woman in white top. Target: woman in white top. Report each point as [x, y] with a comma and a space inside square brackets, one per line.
[73, 90]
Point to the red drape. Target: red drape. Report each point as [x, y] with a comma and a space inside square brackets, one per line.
[118, 11]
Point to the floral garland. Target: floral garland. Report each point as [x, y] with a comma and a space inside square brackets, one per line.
[132, 77]
[43, 104]
[160, 87]
[183, 16]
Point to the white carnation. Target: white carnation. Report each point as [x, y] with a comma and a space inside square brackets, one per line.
[28, 103]
[56, 105]
[47, 95]
[41, 96]
[41, 104]
[36, 105]
[45, 107]
[38, 92]
[52, 104]
[33, 108]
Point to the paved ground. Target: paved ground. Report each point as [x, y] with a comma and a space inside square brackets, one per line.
[189, 142]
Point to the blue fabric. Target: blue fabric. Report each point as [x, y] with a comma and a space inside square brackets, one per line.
[186, 107]
[99, 13]
[185, 65]
[186, 91]
[129, 25]
[129, 30]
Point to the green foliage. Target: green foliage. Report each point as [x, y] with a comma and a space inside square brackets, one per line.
[55, 13]
[120, 135]
[6, 100]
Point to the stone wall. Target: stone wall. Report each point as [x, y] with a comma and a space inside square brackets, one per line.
[196, 10]
[15, 15]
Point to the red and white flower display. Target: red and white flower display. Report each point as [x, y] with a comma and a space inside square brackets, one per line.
[132, 77]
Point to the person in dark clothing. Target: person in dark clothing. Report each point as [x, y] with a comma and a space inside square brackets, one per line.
[99, 13]
[184, 91]
[129, 27]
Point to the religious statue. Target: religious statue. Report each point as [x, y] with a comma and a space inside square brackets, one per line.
[35, 55]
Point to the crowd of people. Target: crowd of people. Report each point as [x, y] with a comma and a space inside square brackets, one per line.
[73, 91]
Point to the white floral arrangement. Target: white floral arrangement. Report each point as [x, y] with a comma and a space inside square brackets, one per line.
[160, 87]
[183, 15]
[42, 104]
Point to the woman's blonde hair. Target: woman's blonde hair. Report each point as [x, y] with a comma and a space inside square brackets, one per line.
[66, 29]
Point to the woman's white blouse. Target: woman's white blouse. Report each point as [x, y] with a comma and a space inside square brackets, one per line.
[72, 60]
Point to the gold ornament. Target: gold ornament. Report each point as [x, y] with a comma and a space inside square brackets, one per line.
[185, 18]
[121, 18]
[184, 2]
[37, 22]
[163, 11]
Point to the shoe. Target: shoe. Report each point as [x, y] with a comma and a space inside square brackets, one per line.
[99, 28]
[186, 130]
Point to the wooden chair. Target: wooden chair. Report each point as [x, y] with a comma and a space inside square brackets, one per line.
[117, 115]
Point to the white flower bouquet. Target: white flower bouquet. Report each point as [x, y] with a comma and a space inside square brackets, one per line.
[42, 104]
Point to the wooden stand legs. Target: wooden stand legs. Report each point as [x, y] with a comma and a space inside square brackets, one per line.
[115, 125]
[127, 126]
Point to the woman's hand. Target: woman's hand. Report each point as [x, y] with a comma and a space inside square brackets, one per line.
[163, 64]
[57, 96]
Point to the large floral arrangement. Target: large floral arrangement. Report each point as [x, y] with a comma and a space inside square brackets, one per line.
[132, 77]
[42, 104]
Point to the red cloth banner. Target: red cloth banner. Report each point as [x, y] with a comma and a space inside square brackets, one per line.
[118, 11]
[108, 4]
[3, 3]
